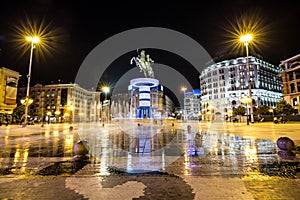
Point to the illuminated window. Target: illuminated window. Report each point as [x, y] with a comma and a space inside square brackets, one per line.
[295, 102]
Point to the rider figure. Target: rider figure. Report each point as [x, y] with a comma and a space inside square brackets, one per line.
[144, 62]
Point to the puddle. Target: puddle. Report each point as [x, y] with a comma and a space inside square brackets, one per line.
[145, 150]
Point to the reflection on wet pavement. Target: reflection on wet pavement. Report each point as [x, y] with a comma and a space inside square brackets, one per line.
[141, 149]
[25, 152]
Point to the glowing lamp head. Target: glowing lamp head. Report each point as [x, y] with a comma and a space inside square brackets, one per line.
[33, 39]
[246, 38]
[105, 89]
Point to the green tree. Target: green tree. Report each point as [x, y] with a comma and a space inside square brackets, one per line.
[283, 108]
[264, 110]
[238, 111]
[19, 111]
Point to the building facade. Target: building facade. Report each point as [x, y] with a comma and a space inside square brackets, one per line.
[167, 105]
[224, 84]
[191, 105]
[63, 103]
[8, 91]
[291, 81]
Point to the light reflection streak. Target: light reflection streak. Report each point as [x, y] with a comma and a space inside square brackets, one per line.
[55, 133]
[163, 159]
[186, 163]
[16, 157]
[69, 141]
[104, 153]
[129, 161]
[25, 160]
[251, 153]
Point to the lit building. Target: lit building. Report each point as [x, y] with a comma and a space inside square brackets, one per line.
[63, 103]
[223, 85]
[192, 108]
[291, 81]
[168, 105]
[8, 91]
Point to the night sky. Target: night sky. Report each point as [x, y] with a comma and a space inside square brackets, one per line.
[83, 25]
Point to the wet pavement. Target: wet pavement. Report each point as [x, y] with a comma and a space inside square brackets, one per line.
[146, 160]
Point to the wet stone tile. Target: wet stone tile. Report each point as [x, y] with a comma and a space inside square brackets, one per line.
[159, 185]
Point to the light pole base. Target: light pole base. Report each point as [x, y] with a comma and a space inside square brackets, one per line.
[248, 119]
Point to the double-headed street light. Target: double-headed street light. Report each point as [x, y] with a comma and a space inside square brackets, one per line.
[33, 40]
[105, 89]
[246, 39]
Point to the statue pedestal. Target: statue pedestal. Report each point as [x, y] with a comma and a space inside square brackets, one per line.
[144, 97]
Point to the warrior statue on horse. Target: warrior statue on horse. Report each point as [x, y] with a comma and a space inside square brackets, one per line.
[144, 62]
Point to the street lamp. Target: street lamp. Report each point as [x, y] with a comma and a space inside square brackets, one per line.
[246, 39]
[33, 40]
[106, 89]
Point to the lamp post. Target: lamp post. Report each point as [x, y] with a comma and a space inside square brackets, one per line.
[246, 100]
[99, 109]
[246, 39]
[26, 102]
[106, 89]
[33, 40]
[49, 113]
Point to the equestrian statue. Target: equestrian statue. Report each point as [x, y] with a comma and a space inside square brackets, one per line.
[144, 62]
